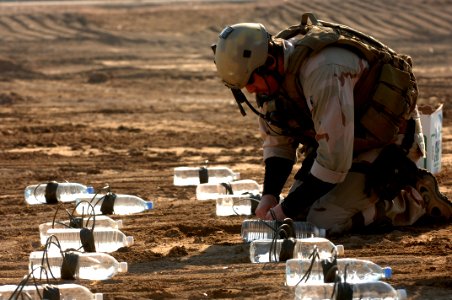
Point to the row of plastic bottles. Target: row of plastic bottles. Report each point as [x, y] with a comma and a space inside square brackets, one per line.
[85, 198]
[107, 238]
[312, 263]
[233, 196]
[357, 277]
[60, 256]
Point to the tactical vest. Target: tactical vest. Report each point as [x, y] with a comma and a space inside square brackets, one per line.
[386, 94]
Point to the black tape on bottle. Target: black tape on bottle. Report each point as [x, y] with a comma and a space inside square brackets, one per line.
[344, 291]
[51, 293]
[107, 207]
[329, 267]
[203, 175]
[287, 247]
[87, 240]
[69, 266]
[76, 222]
[50, 193]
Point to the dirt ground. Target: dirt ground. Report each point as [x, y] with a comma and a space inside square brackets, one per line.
[120, 93]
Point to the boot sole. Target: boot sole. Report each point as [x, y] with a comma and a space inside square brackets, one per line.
[438, 205]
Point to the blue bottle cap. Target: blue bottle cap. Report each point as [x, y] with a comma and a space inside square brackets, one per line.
[387, 272]
[149, 205]
[90, 189]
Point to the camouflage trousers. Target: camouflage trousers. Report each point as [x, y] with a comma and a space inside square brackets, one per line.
[348, 208]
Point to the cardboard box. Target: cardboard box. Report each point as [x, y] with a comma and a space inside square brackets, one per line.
[432, 125]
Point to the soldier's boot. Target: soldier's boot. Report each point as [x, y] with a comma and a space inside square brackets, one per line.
[437, 204]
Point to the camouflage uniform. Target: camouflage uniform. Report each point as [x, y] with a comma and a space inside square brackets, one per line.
[328, 80]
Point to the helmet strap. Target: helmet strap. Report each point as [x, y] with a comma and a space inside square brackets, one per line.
[241, 98]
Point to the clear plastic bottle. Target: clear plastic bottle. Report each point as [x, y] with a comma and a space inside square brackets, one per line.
[122, 205]
[212, 191]
[78, 222]
[105, 239]
[263, 251]
[68, 291]
[265, 229]
[358, 270]
[233, 205]
[54, 192]
[374, 290]
[90, 265]
[185, 176]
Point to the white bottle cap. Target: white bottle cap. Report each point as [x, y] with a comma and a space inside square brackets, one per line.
[123, 267]
[401, 294]
[98, 296]
[340, 250]
[129, 241]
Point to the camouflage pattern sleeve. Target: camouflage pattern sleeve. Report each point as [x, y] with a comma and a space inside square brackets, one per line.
[328, 79]
[274, 143]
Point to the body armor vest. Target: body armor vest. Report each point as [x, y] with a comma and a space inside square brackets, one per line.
[384, 97]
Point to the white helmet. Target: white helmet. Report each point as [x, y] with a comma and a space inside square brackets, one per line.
[240, 49]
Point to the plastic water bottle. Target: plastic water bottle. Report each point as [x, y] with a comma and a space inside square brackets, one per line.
[119, 204]
[235, 205]
[358, 270]
[68, 291]
[212, 191]
[184, 176]
[54, 192]
[78, 222]
[263, 251]
[105, 239]
[265, 229]
[91, 266]
[376, 290]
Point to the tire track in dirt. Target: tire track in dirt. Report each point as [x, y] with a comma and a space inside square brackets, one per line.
[36, 27]
[381, 20]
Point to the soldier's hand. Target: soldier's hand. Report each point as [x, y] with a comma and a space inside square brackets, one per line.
[267, 201]
[275, 213]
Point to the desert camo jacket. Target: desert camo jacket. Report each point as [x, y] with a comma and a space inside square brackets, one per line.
[328, 79]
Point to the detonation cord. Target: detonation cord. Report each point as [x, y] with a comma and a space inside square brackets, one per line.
[49, 292]
[70, 260]
[342, 290]
[313, 256]
[20, 294]
[285, 232]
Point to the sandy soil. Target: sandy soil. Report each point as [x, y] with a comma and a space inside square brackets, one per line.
[121, 94]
